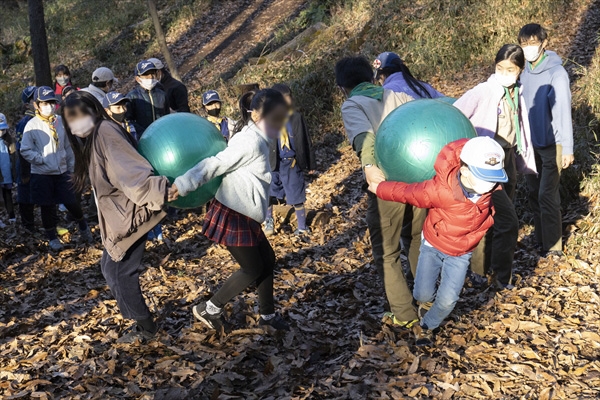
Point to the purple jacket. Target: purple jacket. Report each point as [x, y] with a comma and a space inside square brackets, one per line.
[396, 83]
[481, 105]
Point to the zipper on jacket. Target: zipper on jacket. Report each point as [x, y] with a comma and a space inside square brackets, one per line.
[152, 102]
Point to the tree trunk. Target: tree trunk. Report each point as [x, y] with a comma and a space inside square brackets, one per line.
[162, 42]
[39, 43]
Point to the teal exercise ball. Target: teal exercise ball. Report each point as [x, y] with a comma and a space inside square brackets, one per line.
[410, 138]
[177, 142]
[449, 100]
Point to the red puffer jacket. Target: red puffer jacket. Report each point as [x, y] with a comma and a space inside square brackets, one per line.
[455, 224]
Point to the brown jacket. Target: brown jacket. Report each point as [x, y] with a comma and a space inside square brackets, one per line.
[130, 198]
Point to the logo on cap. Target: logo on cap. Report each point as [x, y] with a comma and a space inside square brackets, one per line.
[46, 92]
[145, 64]
[211, 94]
[115, 95]
[493, 160]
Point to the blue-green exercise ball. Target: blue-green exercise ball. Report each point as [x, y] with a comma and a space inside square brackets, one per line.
[177, 142]
[410, 138]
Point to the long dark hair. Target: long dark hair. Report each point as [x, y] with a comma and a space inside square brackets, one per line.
[263, 101]
[82, 148]
[416, 85]
[513, 53]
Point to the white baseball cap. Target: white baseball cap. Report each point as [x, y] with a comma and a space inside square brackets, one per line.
[157, 63]
[485, 159]
[103, 74]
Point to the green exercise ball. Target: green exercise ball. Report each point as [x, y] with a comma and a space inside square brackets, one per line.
[410, 138]
[177, 142]
[446, 99]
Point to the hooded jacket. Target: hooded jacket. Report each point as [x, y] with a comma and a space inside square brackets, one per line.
[129, 196]
[302, 145]
[46, 155]
[177, 93]
[481, 105]
[454, 224]
[146, 106]
[547, 94]
[398, 84]
[96, 92]
[246, 172]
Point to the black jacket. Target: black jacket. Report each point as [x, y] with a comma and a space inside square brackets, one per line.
[145, 107]
[305, 156]
[177, 94]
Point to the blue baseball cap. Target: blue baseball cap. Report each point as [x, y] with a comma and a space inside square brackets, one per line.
[385, 60]
[3, 122]
[27, 94]
[143, 67]
[113, 98]
[485, 159]
[45, 93]
[210, 96]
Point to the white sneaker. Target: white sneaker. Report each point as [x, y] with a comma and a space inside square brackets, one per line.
[55, 245]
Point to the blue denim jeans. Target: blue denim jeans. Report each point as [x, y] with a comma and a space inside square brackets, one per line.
[451, 271]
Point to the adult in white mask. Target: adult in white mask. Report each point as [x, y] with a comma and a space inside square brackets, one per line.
[46, 147]
[496, 109]
[130, 198]
[147, 103]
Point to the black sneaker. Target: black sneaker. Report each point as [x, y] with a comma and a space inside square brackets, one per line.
[135, 334]
[213, 321]
[553, 253]
[500, 286]
[423, 336]
[277, 322]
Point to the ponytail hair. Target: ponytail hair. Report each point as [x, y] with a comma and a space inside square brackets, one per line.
[261, 101]
[416, 85]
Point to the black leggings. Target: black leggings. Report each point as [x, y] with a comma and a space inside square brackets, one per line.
[50, 218]
[8, 202]
[256, 265]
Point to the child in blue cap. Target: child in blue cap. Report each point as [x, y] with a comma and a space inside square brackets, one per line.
[46, 147]
[7, 150]
[212, 105]
[115, 105]
[290, 156]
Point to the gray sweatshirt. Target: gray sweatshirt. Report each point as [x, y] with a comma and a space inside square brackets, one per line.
[547, 94]
[46, 155]
[246, 172]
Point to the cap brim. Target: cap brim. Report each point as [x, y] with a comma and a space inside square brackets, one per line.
[212, 101]
[489, 175]
[4, 126]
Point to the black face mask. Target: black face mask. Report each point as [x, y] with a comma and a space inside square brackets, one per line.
[214, 112]
[120, 117]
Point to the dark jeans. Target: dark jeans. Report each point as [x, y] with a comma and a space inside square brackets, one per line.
[256, 265]
[496, 251]
[544, 197]
[123, 279]
[8, 202]
[50, 218]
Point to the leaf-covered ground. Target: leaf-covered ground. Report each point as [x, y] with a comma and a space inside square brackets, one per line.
[59, 322]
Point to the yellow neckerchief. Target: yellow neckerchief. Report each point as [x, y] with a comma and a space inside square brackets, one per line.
[284, 137]
[51, 120]
[215, 120]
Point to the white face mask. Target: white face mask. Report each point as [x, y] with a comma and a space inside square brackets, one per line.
[148, 84]
[506, 80]
[63, 80]
[475, 184]
[82, 127]
[532, 53]
[46, 110]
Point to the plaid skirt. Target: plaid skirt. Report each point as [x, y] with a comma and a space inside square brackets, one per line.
[230, 228]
